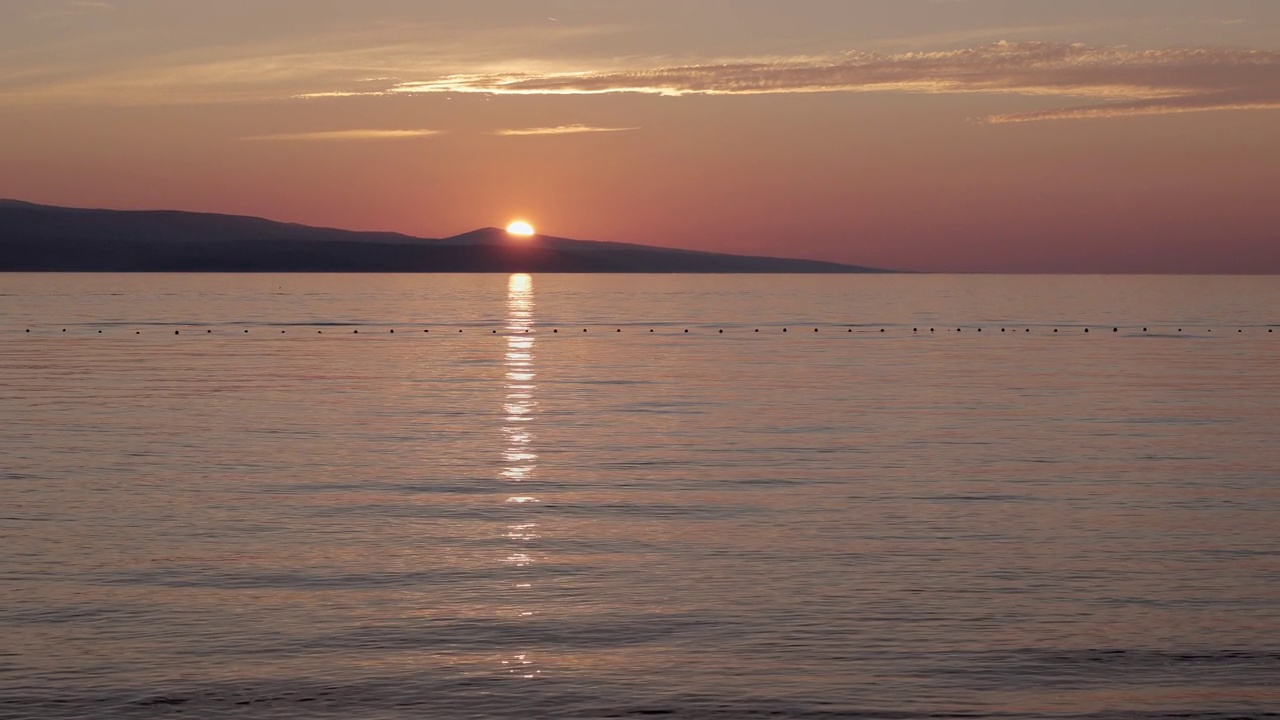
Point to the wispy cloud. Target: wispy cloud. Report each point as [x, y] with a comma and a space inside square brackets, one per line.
[1136, 81]
[348, 62]
[561, 130]
[1103, 81]
[70, 8]
[89, 5]
[347, 135]
[1159, 106]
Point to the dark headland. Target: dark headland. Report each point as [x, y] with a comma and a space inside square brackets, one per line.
[42, 238]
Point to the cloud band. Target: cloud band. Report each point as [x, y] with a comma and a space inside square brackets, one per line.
[1132, 82]
[338, 135]
[560, 130]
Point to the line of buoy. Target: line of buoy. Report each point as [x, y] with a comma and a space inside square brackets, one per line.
[721, 331]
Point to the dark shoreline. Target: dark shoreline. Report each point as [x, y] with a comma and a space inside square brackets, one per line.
[37, 238]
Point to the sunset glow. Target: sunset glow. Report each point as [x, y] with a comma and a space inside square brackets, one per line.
[520, 228]
[590, 358]
[925, 135]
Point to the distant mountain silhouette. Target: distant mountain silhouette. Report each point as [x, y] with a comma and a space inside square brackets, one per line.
[45, 238]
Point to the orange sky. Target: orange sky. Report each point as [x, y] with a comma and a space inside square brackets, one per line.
[967, 135]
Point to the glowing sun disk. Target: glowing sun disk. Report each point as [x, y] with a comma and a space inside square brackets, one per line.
[520, 228]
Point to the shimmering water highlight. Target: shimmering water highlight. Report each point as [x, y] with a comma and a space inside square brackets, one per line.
[603, 524]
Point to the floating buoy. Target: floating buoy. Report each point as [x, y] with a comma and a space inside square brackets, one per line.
[723, 331]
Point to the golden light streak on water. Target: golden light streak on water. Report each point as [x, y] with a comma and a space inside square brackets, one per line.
[520, 460]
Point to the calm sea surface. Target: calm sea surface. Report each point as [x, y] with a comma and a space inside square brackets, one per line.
[509, 517]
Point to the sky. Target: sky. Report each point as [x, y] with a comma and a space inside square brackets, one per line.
[932, 135]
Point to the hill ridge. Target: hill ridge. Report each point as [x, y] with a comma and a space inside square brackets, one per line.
[49, 238]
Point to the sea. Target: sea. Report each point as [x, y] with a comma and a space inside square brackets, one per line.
[620, 496]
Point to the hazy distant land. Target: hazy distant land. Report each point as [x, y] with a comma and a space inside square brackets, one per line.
[41, 238]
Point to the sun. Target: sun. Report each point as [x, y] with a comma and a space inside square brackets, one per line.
[520, 228]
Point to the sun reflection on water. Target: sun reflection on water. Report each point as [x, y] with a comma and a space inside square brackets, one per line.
[519, 405]
[520, 461]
